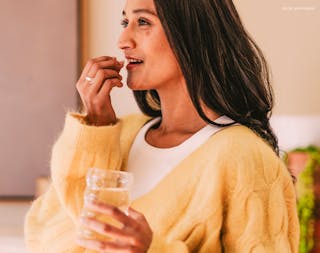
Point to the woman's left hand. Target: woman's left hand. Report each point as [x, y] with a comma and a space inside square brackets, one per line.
[135, 236]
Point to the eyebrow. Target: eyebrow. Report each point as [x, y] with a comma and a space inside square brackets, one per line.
[141, 10]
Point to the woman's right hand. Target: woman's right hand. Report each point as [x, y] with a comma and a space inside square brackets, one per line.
[97, 79]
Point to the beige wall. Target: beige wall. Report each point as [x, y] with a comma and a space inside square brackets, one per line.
[287, 31]
[289, 34]
[101, 27]
[38, 70]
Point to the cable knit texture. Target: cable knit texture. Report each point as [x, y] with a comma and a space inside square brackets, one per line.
[231, 195]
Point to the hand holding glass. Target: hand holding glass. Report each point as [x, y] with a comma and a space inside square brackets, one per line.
[109, 187]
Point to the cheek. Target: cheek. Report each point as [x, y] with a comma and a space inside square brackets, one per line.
[163, 72]
[163, 63]
[162, 57]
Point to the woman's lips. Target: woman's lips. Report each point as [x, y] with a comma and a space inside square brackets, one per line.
[131, 66]
[133, 63]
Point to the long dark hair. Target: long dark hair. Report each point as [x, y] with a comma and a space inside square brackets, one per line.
[221, 63]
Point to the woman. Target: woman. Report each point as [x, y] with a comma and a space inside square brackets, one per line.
[209, 178]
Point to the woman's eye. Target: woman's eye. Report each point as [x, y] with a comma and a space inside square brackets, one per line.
[143, 22]
[124, 23]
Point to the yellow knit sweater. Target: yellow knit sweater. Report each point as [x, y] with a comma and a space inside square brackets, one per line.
[232, 195]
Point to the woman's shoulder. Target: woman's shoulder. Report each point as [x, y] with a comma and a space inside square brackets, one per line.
[244, 154]
[241, 138]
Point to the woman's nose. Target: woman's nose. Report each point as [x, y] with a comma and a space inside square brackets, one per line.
[126, 40]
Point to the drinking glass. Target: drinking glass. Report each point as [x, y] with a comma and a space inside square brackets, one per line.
[111, 187]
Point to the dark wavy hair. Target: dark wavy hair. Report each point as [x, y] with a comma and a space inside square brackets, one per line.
[221, 63]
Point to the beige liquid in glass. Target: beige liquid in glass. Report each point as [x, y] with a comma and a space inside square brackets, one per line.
[118, 197]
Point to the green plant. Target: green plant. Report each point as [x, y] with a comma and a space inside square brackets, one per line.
[306, 198]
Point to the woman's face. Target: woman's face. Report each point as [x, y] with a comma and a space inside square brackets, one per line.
[151, 63]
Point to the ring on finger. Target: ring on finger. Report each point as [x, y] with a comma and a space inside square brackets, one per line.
[89, 79]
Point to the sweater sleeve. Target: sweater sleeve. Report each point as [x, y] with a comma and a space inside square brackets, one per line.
[159, 244]
[53, 217]
[79, 148]
[48, 228]
[260, 212]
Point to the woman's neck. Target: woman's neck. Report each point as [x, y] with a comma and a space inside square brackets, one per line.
[180, 119]
[179, 115]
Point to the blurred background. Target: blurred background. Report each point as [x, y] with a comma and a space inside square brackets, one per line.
[45, 43]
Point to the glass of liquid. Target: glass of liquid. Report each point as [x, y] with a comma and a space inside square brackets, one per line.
[111, 187]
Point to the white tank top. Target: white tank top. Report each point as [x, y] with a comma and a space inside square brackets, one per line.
[150, 164]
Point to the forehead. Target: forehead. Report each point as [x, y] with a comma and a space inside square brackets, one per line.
[139, 4]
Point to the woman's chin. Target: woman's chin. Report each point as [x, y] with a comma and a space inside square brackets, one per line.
[136, 86]
[131, 86]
